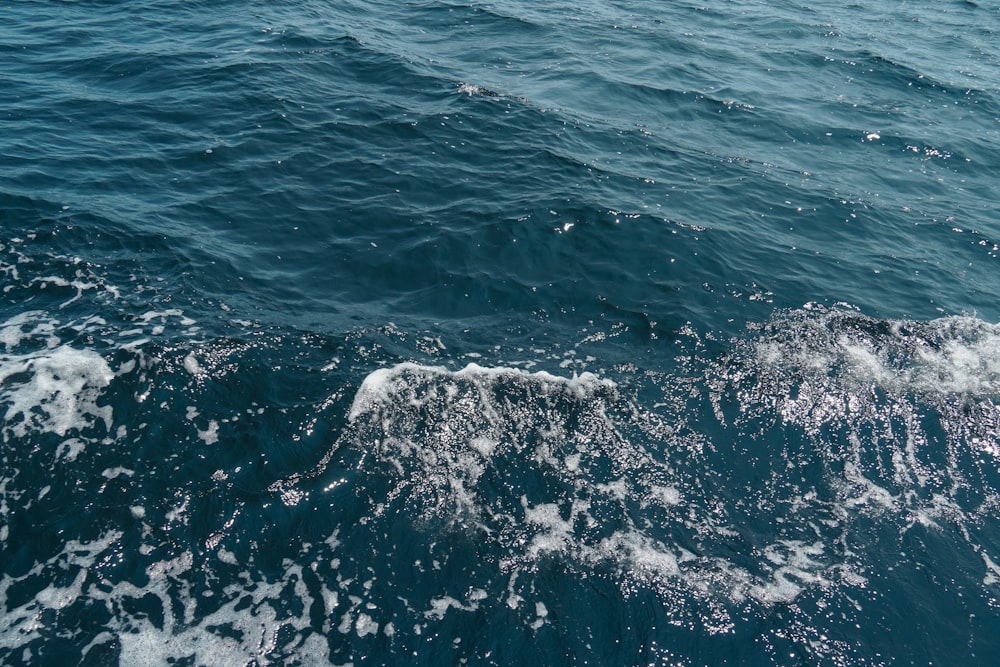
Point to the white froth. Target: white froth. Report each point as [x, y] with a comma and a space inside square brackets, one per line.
[911, 407]
[256, 625]
[54, 391]
[20, 625]
[947, 356]
[57, 598]
[541, 613]
[963, 367]
[666, 495]
[211, 434]
[649, 557]
[441, 605]
[69, 449]
[513, 599]
[797, 568]
[483, 445]
[227, 557]
[365, 625]
[556, 532]
[165, 315]
[192, 366]
[992, 575]
[16, 329]
[381, 385]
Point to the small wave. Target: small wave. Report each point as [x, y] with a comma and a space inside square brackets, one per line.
[939, 359]
[900, 417]
[545, 467]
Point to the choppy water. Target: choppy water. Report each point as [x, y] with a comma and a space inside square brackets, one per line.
[500, 333]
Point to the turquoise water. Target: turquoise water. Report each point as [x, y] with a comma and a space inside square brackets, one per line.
[500, 333]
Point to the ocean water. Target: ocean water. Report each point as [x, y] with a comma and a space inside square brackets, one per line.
[500, 333]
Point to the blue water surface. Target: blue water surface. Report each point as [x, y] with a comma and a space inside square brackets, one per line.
[500, 333]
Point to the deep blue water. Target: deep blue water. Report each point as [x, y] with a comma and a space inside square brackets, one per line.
[430, 333]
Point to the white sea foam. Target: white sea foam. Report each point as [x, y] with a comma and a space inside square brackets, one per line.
[22, 624]
[53, 386]
[992, 575]
[245, 627]
[54, 390]
[952, 356]
[210, 435]
[380, 386]
[192, 366]
[27, 326]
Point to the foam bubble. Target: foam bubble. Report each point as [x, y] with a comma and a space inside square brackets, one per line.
[192, 366]
[210, 435]
[54, 391]
[364, 625]
[952, 356]
[992, 575]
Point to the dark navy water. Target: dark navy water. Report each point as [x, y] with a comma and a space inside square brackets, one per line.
[433, 333]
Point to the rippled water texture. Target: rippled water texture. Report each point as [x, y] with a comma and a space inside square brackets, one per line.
[499, 333]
